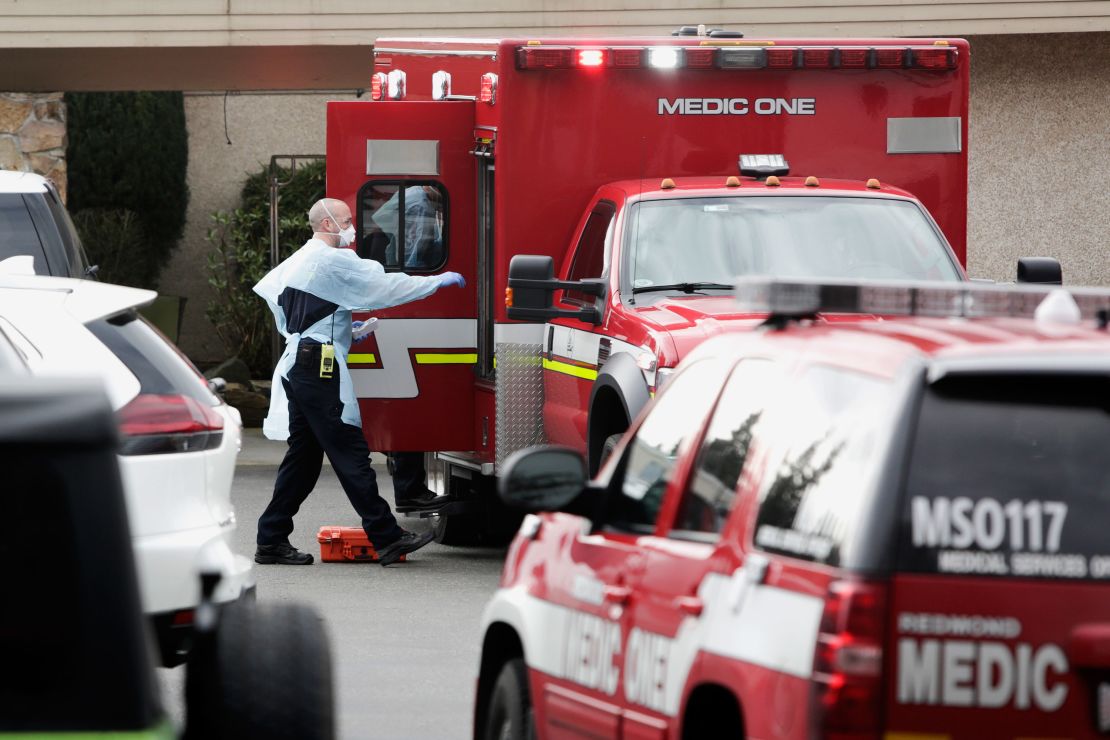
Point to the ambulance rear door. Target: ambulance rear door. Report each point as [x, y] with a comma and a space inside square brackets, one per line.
[407, 171]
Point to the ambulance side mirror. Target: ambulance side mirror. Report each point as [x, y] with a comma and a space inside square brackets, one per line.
[532, 284]
[1040, 270]
[545, 478]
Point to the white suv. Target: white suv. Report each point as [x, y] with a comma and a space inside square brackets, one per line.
[178, 440]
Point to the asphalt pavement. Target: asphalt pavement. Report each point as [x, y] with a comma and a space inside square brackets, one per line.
[405, 640]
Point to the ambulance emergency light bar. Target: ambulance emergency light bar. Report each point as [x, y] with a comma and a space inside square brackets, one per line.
[940, 57]
[800, 298]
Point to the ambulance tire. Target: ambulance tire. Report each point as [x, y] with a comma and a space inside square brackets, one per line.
[271, 676]
[607, 448]
[509, 715]
[457, 530]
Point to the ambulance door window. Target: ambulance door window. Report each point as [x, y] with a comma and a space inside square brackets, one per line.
[403, 224]
[592, 250]
[708, 498]
[665, 435]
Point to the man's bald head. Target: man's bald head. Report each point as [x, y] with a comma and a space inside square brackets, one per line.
[333, 210]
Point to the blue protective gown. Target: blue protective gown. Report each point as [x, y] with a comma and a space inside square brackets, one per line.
[338, 276]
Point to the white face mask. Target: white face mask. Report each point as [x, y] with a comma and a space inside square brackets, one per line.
[347, 235]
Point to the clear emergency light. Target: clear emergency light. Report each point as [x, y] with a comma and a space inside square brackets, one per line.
[756, 56]
[395, 87]
[800, 298]
[441, 85]
[763, 165]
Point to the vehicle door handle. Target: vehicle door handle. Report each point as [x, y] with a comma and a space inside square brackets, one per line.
[691, 605]
[617, 594]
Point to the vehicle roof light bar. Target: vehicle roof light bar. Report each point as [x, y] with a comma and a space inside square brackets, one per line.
[538, 56]
[799, 298]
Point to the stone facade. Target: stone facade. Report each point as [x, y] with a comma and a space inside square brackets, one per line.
[33, 135]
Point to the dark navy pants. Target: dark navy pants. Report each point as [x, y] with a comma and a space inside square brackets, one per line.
[409, 477]
[315, 428]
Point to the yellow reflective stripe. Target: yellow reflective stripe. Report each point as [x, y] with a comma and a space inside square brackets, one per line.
[562, 367]
[366, 358]
[436, 358]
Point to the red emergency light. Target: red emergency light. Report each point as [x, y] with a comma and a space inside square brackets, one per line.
[591, 58]
[377, 86]
[936, 57]
[487, 88]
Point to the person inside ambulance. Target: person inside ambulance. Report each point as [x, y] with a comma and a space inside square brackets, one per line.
[423, 227]
[312, 401]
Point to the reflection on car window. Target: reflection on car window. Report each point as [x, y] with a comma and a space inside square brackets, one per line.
[659, 442]
[403, 225]
[693, 240]
[826, 431]
[17, 232]
[708, 499]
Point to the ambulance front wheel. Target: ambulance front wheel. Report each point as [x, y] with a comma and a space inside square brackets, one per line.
[509, 715]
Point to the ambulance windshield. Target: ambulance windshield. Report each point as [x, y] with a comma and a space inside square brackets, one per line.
[696, 241]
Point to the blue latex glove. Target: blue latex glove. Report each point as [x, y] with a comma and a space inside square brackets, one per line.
[451, 278]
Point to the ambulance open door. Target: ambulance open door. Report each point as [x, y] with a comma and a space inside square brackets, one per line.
[407, 172]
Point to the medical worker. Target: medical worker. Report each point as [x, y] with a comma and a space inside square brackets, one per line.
[312, 400]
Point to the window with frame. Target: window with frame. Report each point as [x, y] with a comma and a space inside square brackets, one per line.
[664, 436]
[590, 256]
[827, 436]
[403, 224]
[709, 495]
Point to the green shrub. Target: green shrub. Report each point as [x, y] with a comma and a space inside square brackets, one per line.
[240, 257]
[130, 150]
[115, 241]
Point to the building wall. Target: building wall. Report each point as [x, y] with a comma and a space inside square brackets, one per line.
[258, 126]
[33, 135]
[1039, 153]
[1039, 147]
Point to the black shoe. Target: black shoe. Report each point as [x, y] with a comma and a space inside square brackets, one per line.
[408, 542]
[283, 554]
[424, 500]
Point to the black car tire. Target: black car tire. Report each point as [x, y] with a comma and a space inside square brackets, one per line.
[270, 675]
[509, 715]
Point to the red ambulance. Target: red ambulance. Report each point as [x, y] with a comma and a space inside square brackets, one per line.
[632, 179]
[876, 528]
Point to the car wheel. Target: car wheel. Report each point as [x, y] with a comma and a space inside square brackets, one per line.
[457, 530]
[269, 675]
[509, 715]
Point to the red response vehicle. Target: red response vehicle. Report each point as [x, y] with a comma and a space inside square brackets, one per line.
[610, 168]
[872, 529]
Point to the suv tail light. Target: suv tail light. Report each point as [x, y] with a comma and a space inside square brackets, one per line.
[848, 665]
[155, 424]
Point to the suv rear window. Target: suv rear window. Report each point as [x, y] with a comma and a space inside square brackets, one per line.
[159, 366]
[1009, 476]
[17, 232]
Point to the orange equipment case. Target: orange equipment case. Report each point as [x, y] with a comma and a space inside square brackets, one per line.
[346, 544]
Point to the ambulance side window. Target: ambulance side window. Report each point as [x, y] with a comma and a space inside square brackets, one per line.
[403, 224]
[590, 256]
[826, 437]
[708, 498]
[664, 436]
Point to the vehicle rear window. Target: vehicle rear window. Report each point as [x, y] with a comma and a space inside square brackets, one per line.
[159, 366]
[1009, 476]
[17, 232]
